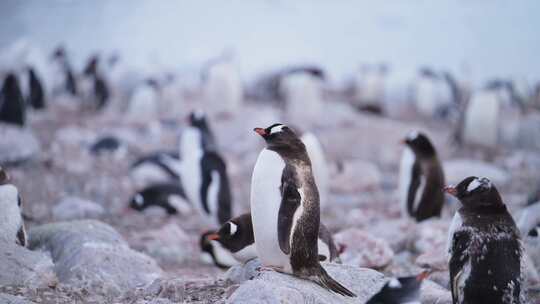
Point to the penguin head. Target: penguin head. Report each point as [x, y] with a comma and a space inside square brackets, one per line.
[197, 119]
[476, 192]
[279, 137]
[419, 144]
[210, 250]
[400, 290]
[227, 233]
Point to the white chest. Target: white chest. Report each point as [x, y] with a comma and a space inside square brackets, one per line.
[405, 177]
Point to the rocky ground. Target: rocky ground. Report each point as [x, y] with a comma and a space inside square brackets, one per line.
[86, 248]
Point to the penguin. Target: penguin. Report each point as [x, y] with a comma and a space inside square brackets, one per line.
[68, 82]
[285, 209]
[97, 86]
[421, 178]
[105, 144]
[320, 166]
[204, 174]
[404, 290]
[370, 88]
[303, 98]
[12, 107]
[235, 238]
[481, 117]
[223, 89]
[484, 246]
[36, 97]
[11, 221]
[433, 95]
[169, 196]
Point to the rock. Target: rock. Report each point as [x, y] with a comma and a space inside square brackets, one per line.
[435, 259]
[356, 176]
[17, 145]
[9, 299]
[273, 287]
[72, 208]
[22, 267]
[397, 232]
[432, 293]
[457, 169]
[92, 255]
[363, 249]
[168, 244]
[241, 273]
[431, 234]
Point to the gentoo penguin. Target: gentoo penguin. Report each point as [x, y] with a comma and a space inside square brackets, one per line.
[223, 89]
[67, 82]
[480, 127]
[11, 221]
[485, 250]
[421, 178]
[432, 93]
[303, 98]
[12, 107]
[320, 167]
[404, 290]
[169, 196]
[370, 87]
[36, 96]
[96, 86]
[235, 238]
[285, 208]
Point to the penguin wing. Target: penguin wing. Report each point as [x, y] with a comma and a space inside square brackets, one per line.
[290, 201]
[412, 194]
[459, 257]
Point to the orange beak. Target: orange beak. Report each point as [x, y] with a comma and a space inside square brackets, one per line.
[423, 275]
[213, 237]
[260, 131]
[450, 190]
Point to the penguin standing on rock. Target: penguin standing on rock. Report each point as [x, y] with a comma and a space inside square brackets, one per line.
[404, 290]
[12, 107]
[421, 178]
[485, 250]
[235, 238]
[11, 221]
[285, 209]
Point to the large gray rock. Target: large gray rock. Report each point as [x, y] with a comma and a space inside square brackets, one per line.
[240, 273]
[74, 208]
[9, 299]
[272, 287]
[17, 144]
[93, 255]
[356, 176]
[432, 293]
[22, 267]
[363, 250]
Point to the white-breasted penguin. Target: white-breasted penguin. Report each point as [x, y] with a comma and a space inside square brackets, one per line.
[484, 246]
[285, 209]
[67, 81]
[303, 98]
[204, 174]
[481, 119]
[11, 220]
[97, 89]
[421, 178]
[169, 196]
[432, 93]
[403, 290]
[12, 106]
[224, 90]
[235, 238]
[320, 166]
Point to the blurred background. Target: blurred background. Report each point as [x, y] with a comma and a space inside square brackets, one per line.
[97, 98]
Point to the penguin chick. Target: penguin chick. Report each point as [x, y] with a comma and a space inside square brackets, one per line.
[421, 178]
[169, 196]
[11, 221]
[485, 250]
[404, 290]
[235, 238]
[285, 209]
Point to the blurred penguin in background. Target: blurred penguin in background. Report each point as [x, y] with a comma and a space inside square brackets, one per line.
[370, 88]
[64, 78]
[303, 98]
[94, 86]
[432, 94]
[12, 106]
[224, 91]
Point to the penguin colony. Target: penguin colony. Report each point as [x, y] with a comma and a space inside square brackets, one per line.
[289, 180]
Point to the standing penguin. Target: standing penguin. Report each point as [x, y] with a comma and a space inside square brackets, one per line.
[235, 238]
[285, 208]
[204, 174]
[404, 290]
[11, 221]
[421, 178]
[485, 250]
[12, 108]
[36, 96]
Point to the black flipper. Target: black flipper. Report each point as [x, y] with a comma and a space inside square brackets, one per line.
[290, 201]
[413, 188]
[21, 236]
[460, 244]
[325, 280]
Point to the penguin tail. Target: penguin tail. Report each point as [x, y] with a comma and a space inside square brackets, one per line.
[323, 279]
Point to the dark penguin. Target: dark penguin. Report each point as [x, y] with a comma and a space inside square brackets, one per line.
[404, 290]
[484, 246]
[70, 82]
[169, 196]
[285, 209]
[11, 221]
[100, 90]
[12, 107]
[36, 97]
[421, 178]
[235, 238]
[197, 119]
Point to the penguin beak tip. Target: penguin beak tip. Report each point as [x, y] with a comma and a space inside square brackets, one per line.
[260, 131]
